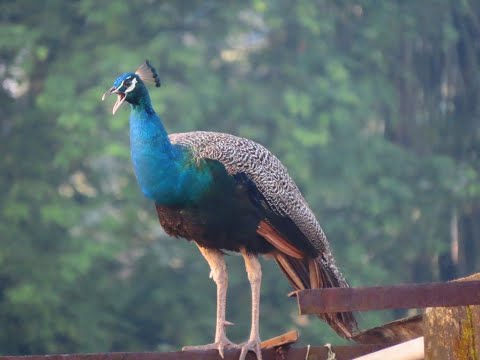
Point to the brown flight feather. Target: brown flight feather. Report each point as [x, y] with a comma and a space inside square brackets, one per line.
[276, 239]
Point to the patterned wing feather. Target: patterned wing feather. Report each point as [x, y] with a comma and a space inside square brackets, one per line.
[240, 155]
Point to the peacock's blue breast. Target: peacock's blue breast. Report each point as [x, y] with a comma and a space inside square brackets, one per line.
[165, 173]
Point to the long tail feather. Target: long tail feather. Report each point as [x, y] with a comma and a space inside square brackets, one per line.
[313, 274]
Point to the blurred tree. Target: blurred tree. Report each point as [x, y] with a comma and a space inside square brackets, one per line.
[371, 105]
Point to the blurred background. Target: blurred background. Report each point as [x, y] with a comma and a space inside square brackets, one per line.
[372, 105]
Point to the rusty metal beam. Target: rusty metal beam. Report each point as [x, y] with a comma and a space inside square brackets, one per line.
[319, 301]
[320, 352]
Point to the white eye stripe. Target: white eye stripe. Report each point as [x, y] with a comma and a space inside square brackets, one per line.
[132, 86]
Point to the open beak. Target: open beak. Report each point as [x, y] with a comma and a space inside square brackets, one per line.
[120, 98]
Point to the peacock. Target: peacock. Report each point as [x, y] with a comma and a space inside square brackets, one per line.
[227, 194]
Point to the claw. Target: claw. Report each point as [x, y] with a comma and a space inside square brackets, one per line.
[251, 345]
[219, 345]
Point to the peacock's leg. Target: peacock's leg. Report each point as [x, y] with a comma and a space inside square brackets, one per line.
[254, 272]
[219, 274]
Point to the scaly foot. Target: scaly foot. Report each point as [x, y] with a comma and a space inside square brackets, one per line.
[251, 345]
[218, 345]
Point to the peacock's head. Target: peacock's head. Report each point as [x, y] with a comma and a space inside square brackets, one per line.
[130, 87]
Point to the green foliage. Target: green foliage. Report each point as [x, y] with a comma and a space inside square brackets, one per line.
[373, 107]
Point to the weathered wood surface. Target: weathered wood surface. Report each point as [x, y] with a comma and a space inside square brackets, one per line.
[409, 350]
[315, 353]
[284, 339]
[453, 333]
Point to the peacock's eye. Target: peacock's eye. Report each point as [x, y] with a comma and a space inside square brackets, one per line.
[127, 82]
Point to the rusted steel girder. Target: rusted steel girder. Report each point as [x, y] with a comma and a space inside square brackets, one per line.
[406, 296]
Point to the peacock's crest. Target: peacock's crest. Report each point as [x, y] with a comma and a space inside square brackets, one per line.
[125, 86]
[147, 73]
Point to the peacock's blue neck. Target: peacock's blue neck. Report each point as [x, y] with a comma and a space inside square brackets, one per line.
[165, 172]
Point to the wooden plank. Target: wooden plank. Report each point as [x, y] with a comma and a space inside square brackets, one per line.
[409, 350]
[284, 339]
[320, 352]
[335, 352]
[452, 333]
[319, 301]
